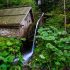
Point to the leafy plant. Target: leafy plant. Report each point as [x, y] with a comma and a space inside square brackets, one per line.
[9, 50]
[15, 3]
[52, 51]
[56, 21]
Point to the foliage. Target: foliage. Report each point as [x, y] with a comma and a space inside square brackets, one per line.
[9, 50]
[32, 3]
[56, 21]
[17, 3]
[55, 5]
[52, 51]
[48, 5]
[8, 3]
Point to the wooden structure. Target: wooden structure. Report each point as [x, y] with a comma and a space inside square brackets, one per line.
[15, 21]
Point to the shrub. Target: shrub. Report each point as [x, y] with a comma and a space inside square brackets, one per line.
[9, 50]
[52, 51]
[56, 21]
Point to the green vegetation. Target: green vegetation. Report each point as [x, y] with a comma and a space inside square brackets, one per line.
[56, 21]
[17, 3]
[52, 51]
[9, 50]
[8, 3]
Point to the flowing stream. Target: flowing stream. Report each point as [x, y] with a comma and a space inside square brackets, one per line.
[28, 55]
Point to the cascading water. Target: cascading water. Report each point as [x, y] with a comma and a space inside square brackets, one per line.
[28, 55]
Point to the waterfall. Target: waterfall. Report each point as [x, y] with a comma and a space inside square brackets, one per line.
[28, 55]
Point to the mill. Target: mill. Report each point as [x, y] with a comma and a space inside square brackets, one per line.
[15, 21]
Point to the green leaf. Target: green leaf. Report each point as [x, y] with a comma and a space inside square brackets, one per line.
[9, 43]
[57, 63]
[42, 56]
[3, 67]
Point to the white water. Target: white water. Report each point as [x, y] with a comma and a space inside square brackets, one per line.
[27, 56]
